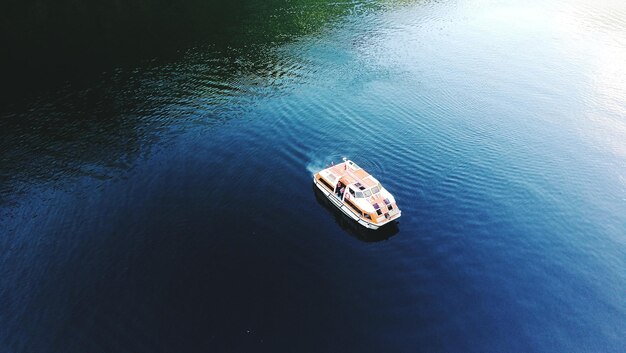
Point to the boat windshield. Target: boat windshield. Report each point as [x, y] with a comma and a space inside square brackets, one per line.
[375, 190]
[367, 193]
[359, 194]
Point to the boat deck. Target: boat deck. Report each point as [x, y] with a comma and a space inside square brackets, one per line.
[349, 175]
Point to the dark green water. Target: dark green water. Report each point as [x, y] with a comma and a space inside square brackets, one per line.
[49, 42]
[156, 194]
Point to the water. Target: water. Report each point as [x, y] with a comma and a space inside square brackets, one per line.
[167, 206]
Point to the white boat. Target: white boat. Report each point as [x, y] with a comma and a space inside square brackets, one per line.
[357, 194]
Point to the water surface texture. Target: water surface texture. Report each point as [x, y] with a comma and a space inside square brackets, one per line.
[167, 205]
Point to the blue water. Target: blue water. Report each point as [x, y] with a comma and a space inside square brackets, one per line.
[169, 207]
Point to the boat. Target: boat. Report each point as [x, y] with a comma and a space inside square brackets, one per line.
[357, 194]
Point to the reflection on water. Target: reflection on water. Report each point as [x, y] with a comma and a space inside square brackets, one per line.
[48, 42]
[166, 205]
[97, 128]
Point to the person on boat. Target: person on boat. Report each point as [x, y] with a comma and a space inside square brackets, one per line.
[339, 189]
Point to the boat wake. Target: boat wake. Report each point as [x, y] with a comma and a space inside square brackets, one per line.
[319, 163]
